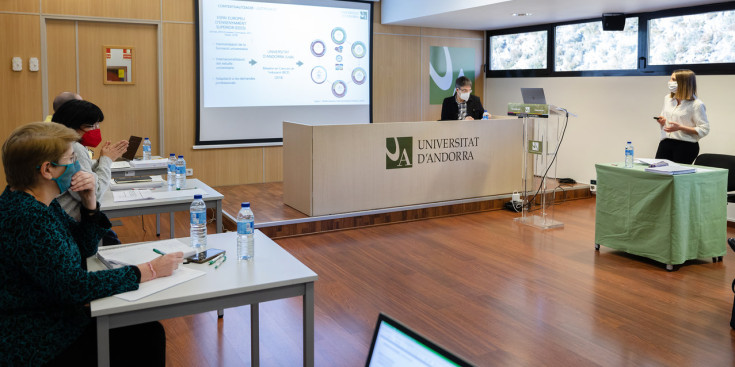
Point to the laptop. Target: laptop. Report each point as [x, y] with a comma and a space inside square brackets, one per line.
[533, 95]
[394, 344]
[133, 144]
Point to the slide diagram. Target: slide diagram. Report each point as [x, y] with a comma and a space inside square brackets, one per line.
[320, 73]
[320, 58]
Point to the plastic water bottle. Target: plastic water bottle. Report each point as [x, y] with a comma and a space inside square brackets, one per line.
[198, 223]
[628, 155]
[486, 115]
[171, 174]
[180, 173]
[146, 149]
[245, 228]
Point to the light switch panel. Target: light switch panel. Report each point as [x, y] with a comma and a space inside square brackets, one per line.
[17, 64]
[33, 64]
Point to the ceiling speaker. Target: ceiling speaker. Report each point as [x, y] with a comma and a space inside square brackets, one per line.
[613, 22]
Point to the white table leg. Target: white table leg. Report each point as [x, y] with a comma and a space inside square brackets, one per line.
[255, 335]
[309, 325]
[171, 223]
[219, 216]
[103, 341]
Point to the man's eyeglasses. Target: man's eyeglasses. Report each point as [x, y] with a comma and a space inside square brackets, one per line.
[96, 125]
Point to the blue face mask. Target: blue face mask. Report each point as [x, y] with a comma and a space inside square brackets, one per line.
[64, 181]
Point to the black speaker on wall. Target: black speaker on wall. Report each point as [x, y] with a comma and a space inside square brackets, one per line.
[613, 22]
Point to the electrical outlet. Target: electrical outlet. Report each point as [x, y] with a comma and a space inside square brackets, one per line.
[33, 64]
[17, 64]
[593, 186]
[190, 172]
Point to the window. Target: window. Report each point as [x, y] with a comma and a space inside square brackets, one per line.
[692, 39]
[700, 38]
[585, 46]
[519, 51]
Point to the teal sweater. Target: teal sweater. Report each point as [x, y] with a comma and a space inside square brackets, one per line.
[43, 287]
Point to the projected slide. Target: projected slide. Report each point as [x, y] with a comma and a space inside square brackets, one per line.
[275, 54]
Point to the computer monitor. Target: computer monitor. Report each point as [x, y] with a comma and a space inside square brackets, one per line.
[533, 95]
[394, 344]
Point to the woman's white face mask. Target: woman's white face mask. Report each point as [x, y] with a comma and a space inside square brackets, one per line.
[673, 86]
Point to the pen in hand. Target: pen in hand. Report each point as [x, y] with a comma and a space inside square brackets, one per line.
[158, 252]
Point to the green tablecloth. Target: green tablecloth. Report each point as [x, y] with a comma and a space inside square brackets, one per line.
[670, 219]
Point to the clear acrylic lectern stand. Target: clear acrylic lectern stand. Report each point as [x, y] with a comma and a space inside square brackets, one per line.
[540, 142]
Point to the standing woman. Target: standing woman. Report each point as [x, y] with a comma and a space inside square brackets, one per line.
[683, 119]
[44, 291]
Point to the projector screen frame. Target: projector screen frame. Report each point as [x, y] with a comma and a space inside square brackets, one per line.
[275, 141]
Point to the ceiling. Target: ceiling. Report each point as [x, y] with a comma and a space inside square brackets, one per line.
[491, 14]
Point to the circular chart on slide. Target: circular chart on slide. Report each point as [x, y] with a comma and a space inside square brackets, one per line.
[318, 49]
[358, 49]
[318, 74]
[339, 89]
[338, 35]
[359, 75]
[339, 58]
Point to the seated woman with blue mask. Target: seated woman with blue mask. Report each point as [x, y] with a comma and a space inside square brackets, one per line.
[44, 292]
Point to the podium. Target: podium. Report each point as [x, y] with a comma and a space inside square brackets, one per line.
[541, 137]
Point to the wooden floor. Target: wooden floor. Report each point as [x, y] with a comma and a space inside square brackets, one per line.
[497, 293]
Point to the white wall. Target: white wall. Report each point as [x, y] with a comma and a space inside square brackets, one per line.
[612, 110]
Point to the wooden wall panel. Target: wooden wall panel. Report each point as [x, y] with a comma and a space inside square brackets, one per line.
[131, 9]
[20, 91]
[62, 58]
[178, 10]
[24, 6]
[129, 109]
[273, 164]
[216, 167]
[396, 78]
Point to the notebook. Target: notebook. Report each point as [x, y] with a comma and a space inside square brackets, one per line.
[394, 344]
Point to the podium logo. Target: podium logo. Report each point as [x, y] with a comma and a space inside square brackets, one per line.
[398, 152]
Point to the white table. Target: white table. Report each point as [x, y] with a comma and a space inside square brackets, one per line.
[129, 172]
[273, 274]
[211, 197]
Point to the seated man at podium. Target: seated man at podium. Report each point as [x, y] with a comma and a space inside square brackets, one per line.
[462, 105]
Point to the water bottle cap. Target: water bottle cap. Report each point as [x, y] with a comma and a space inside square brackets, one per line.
[146, 138]
[197, 196]
[172, 155]
[628, 142]
[181, 156]
[245, 204]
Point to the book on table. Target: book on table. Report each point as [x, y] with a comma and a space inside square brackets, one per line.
[671, 169]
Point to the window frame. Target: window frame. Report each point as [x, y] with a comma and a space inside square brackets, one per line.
[642, 65]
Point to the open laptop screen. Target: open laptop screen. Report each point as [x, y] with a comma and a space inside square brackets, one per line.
[396, 345]
[533, 95]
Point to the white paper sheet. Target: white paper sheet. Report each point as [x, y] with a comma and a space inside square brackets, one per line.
[180, 275]
[131, 195]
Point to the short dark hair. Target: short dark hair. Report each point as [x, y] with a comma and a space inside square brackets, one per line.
[75, 113]
[64, 97]
[462, 81]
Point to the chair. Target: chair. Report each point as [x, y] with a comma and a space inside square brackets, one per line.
[722, 161]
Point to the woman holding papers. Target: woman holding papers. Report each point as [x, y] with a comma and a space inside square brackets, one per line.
[85, 118]
[44, 291]
[683, 119]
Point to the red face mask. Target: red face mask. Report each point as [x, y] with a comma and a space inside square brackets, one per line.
[92, 138]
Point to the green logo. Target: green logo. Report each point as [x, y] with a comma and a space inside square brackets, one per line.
[535, 147]
[446, 64]
[398, 152]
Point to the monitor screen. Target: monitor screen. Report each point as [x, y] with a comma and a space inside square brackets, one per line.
[396, 345]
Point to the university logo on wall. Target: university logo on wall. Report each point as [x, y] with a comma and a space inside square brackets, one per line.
[398, 152]
[446, 64]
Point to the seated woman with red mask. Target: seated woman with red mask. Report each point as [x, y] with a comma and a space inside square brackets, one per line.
[85, 118]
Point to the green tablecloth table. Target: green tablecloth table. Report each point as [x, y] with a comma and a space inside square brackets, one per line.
[670, 219]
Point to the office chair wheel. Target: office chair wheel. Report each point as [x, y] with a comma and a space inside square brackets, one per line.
[597, 247]
[669, 267]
